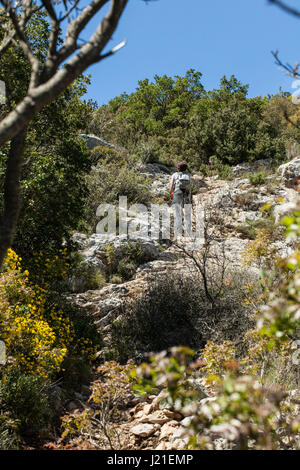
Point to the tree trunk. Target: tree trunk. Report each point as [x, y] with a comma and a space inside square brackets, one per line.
[12, 199]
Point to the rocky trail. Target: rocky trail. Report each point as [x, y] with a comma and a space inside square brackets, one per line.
[150, 423]
[238, 201]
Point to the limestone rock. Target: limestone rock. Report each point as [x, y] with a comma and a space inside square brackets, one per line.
[161, 446]
[168, 429]
[143, 411]
[290, 172]
[158, 417]
[95, 252]
[143, 430]
[289, 204]
[93, 141]
[251, 167]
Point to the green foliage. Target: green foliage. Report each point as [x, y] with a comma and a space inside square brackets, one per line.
[167, 370]
[107, 182]
[216, 357]
[292, 224]
[39, 326]
[82, 276]
[26, 400]
[46, 337]
[9, 435]
[176, 311]
[123, 262]
[53, 184]
[103, 153]
[253, 228]
[163, 317]
[175, 118]
[280, 317]
[242, 412]
[257, 178]
[77, 371]
[111, 394]
[54, 193]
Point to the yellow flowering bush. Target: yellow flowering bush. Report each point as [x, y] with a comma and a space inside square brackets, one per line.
[37, 336]
[50, 271]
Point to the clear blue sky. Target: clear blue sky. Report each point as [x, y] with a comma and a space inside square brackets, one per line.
[216, 37]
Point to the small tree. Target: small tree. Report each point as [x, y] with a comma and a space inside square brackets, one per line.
[50, 74]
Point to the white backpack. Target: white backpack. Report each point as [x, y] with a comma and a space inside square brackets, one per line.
[182, 181]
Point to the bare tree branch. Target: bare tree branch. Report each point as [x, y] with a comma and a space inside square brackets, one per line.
[55, 27]
[7, 40]
[72, 35]
[43, 94]
[285, 7]
[20, 33]
[292, 71]
[10, 33]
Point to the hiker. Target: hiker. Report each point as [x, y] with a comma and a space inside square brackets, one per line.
[181, 193]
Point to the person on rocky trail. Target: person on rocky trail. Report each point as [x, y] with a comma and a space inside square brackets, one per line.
[180, 191]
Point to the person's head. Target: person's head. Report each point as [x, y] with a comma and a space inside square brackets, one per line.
[182, 166]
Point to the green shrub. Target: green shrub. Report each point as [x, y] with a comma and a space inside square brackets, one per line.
[148, 151]
[9, 432]
[175, 311]
[216, 167]
[124, 262]
[77, 371]
[257, 178]
[252, 228]
[103, 153]
[54, 192]
[26, 400]
[107, 182]
[82, 276]
[115, 279]
[175, 118]
[244, 414]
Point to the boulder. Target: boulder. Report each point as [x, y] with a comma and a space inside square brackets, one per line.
[153, 169]
[143, 411]
[291, 198]
[94, 252]
[80, 239]
[143, 430]
[181, 437]
[168, 429]
[251, 167]
[159, 417]
[290, 172]
[162, 446]
[93, 141]
[199, 183]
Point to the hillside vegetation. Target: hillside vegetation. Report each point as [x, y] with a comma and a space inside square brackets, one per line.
[174, 118]
[80, 317]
